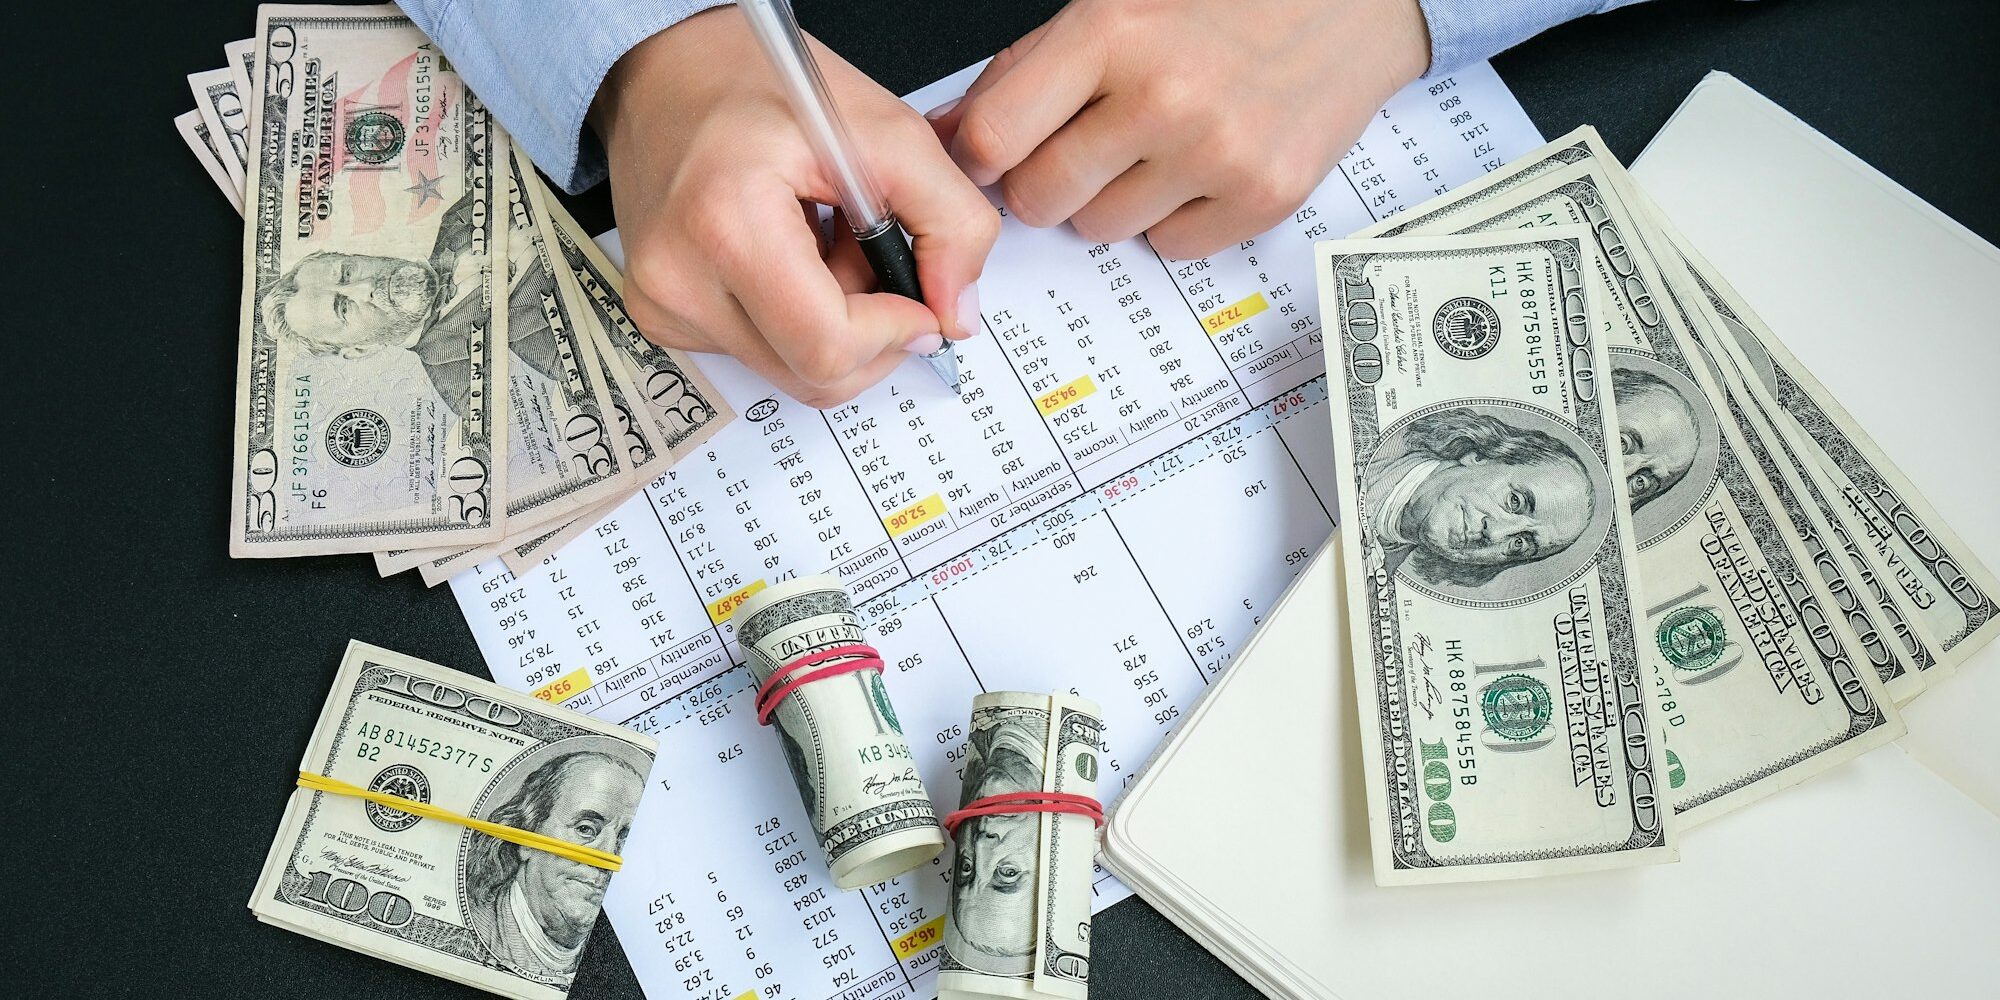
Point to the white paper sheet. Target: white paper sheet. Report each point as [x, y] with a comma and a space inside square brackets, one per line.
[1137, 470]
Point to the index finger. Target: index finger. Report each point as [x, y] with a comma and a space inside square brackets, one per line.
[1001, 123]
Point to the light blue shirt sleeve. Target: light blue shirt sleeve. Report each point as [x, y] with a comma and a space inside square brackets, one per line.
[1466, 31]
[537, 64]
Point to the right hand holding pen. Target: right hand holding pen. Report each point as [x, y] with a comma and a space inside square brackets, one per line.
[708, 175]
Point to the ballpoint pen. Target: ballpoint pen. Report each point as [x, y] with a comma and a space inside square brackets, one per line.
[875, 227]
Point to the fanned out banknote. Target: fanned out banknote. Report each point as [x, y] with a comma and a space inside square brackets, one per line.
[564, 456]
[223, 109]
[437, 363]
[1953, 599]
[1739, 570]
[201, 142]
[853, 767]
[1493, 570]
[1018, 923]
[435, 895]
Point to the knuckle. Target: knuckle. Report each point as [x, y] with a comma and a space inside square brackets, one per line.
[1170, 93]
[1021, 191]
[824, 398]
[822, 362]
[714, 225]
[980, 138]
[664, 291]
[982, 227]
[1096, 227]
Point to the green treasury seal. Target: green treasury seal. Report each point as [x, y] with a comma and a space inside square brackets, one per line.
[374, 137]
[1692, 638]
[1517, 707]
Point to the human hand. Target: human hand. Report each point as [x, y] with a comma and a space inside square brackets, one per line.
[709, 173]
[1197, 122]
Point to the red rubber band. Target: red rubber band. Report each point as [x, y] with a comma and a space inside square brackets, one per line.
[1026, 802]
[783, 682]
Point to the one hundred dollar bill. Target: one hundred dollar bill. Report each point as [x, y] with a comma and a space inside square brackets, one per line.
[1954, 598]
[1018, 924]
[436, 895]
[1492, 571]
[854, 770]
[1760, 681]
[371, 393]
[1882, 617]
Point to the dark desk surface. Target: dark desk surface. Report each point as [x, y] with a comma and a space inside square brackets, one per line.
[162, 693]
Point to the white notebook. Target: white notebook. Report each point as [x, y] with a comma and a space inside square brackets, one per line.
[1248, 829]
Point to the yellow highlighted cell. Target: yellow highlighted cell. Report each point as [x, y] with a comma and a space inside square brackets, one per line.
[565, 687]
[745, 995]
[917, 940]
[1065, 395]
[719, 611]
[1234, 313]
[914, 516]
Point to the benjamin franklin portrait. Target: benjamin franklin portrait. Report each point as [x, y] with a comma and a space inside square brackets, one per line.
[1657, 435]
[995, 880]
[355, 305]
[1468, 495]
[532, 909]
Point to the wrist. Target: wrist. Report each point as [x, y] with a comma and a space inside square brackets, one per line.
[1406, 39]
[674, 63]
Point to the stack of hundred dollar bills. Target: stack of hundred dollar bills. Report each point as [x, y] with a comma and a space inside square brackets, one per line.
[429, 893]
[436, 364]
[1616, 563]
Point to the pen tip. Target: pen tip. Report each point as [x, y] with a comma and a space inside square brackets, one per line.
[945, 363]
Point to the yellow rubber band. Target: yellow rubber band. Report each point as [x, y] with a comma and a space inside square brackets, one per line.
[526, 838]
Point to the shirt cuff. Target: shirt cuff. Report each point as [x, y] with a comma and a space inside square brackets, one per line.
[537, 66]
[1464, 32]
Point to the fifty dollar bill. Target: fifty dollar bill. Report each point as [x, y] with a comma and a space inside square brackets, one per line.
[373, 365]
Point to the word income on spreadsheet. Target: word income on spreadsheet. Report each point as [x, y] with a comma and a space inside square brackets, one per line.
[1136, 470]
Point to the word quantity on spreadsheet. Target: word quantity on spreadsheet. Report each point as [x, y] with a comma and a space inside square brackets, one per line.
[1141, 461]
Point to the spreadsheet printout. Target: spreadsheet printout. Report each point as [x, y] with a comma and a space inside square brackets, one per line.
[1141, 461]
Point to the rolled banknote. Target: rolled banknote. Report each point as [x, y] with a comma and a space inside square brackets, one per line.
[1491, 566]
[430, 893]
[371, 389]
[854, 770]
[1019, 920]
[1761, 682]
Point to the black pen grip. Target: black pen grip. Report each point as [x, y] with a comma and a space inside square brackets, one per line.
[895, 265]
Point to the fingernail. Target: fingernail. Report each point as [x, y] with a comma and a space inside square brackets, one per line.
[926, 343]
[943, 109]
[969, 319]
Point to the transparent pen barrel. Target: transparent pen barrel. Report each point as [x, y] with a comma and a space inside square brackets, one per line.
[778, 31]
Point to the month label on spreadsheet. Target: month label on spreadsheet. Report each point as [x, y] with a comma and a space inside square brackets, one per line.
[1137, 467]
